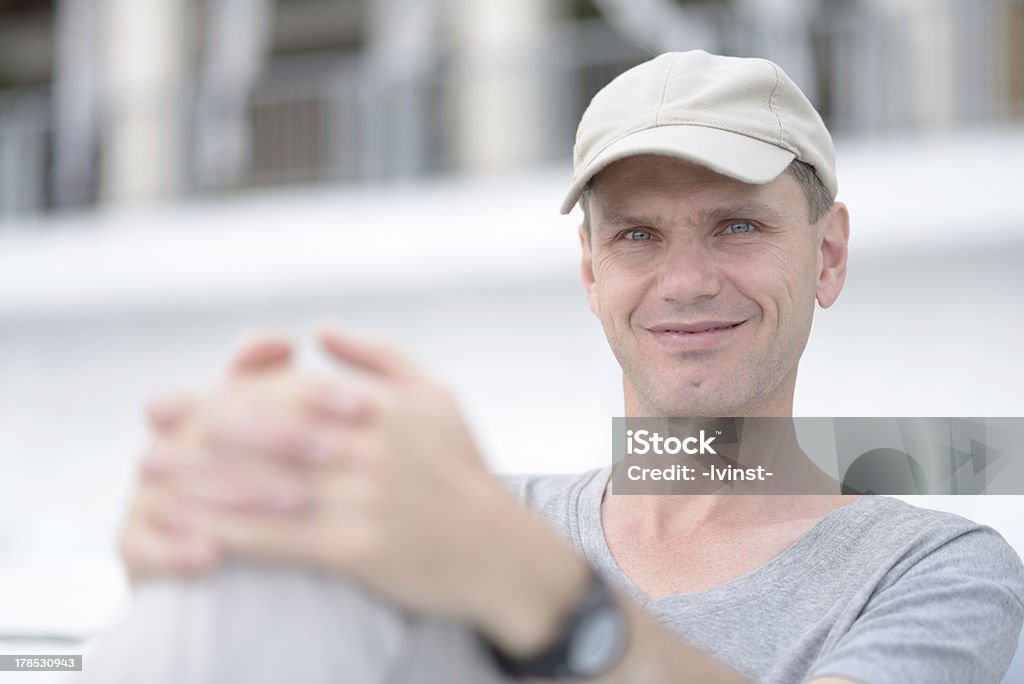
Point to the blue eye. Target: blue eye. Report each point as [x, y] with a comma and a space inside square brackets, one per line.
[637, 235]
[739, 228]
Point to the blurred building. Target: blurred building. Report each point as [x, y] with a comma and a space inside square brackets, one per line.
[358, 106]
[125, 101]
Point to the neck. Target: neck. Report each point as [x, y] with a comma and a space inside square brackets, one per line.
[771, 443]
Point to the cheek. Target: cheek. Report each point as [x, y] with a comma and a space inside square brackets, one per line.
[802, 284]
[618, 287]
[779, 284]
[795, 303]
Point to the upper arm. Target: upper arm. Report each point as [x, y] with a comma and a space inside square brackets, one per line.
[955, 615]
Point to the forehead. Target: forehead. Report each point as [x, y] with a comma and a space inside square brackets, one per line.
[643, 180]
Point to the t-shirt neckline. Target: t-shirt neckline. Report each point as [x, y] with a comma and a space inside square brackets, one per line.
[787, 566]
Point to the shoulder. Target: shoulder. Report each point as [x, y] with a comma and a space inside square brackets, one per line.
[555, 497]
[908, 533]
[931, 595]
[543, 491]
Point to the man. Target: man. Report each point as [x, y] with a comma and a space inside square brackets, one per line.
[707, 185]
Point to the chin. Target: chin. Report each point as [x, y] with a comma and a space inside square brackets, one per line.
[707, 401]
[704, 394]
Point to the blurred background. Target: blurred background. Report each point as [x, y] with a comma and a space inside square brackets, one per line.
[177, 173]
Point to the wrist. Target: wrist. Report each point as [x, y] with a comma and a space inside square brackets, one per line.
[525, 601]
[591, 640]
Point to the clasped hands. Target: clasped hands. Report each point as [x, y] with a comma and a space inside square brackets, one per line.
[373, 475]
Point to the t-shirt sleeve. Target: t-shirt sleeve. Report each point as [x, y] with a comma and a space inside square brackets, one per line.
[952, 616]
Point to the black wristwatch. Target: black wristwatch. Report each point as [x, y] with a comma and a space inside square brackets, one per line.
[591, 641]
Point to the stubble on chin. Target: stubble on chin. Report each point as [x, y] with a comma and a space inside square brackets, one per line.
[744, 392]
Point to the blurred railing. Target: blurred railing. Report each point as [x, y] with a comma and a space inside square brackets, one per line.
[25, 141]
[945, 64]
[313, 120]
[317, 119]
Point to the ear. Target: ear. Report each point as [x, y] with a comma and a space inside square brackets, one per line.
[587, 271]
[834, 243]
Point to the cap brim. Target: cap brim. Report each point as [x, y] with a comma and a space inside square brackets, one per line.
[738, 156]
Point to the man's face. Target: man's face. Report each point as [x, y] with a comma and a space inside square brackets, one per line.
[706, 285]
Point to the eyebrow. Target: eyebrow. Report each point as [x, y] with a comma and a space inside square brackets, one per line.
[745, 209]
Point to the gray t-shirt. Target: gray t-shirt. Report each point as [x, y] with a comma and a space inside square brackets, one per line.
[878, 591]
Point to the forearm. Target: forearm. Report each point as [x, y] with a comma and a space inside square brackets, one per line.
[653, 654]
[539, 581]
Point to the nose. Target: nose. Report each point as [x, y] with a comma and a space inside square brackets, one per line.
[688, 272]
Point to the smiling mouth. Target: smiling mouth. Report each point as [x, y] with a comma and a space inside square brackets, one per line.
[699, 332]
[690, 338]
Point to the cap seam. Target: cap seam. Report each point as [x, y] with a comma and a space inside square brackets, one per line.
[664, 91]
[781, 143]
[772, 107]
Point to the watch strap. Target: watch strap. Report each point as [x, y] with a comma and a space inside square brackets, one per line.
[567, 657]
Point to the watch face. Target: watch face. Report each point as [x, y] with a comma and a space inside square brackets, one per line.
[598, 642]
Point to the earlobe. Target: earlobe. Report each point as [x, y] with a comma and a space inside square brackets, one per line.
[834, 245]
[587, 269]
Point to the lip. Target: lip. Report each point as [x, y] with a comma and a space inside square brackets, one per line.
[699, 336]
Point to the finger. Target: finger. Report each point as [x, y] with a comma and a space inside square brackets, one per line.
[272, 439]
[337, 543]
[168, 411]
[373, 357]
[158, 507]
[271, 492]
[333, 401]
[260, 353]
[267, 538]
[146, 552]
[154, 542]
[164, 460]
[176, 488]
